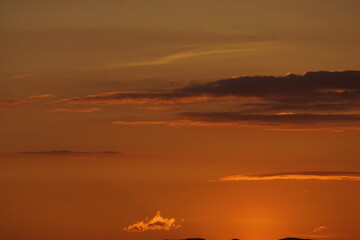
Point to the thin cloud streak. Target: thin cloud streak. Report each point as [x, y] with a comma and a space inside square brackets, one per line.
[314, 175]
[46, 95]
[147, 123]
[277, 122]
[173, 123]
[69, 152]
[73, 110]
[22, 76]
[177, 56]
[12, 102]
[143, 97]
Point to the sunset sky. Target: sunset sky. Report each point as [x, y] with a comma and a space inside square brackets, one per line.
[177, 119]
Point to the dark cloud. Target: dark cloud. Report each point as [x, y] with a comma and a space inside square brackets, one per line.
[326, 84]
[194, 239]
[309, 175]
[308, 92]
[278, 86]
[304, 107]
[313, 91]
[330, 99]
[159, 97]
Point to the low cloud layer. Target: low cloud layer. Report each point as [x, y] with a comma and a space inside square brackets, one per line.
[313, 100]
[157, 223]
[313, 175]
[311, 91]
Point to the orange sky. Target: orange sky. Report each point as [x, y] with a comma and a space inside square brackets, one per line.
[152, 120]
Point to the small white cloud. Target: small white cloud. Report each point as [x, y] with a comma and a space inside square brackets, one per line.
[157, 223]
[320, 229]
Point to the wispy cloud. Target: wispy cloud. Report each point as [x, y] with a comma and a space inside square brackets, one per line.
[179, 56]
[22, 76]
[312, 175]
[45, 95]
[11, 102]
[177, 123]
[76, 110]
[149, 123]
[69, 152]
[192, 239]
[155, 224]
[273, 120]
[143, 97]
[293, 122]
[294, 239]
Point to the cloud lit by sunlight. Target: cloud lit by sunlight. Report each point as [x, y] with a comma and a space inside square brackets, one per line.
[320, 229]
[315, 175]
[157, 223]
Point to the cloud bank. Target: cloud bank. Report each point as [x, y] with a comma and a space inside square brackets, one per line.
[314, 100]
[312, 175]
[157, 223]
[313, 90]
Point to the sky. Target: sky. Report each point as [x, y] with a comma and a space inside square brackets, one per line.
[179, 119]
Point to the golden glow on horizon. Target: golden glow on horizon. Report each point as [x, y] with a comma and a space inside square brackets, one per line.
[237, 119]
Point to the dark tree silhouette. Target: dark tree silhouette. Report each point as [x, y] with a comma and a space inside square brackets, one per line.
[195, 239]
